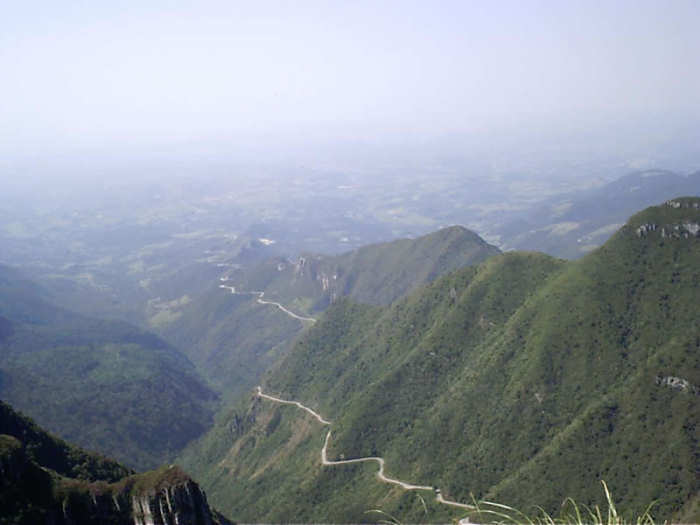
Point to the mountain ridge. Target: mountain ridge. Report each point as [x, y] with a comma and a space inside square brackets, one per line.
[326, 278]
[531, 373]
[234, 339]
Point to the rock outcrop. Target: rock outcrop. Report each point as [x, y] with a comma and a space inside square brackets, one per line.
[677, 383]
[685, 228]
[181, 504]
[30, 494]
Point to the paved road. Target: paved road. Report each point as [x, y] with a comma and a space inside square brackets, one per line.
[326, 462]
[261, 301]
[380, 474]
[295, 403]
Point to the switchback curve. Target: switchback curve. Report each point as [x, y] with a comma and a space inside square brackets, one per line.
[379, 460]
[261, 301]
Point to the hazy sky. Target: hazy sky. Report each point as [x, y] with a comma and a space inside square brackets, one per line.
[99, 74]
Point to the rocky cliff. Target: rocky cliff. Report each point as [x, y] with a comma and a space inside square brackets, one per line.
[44, 480]
[183, 503]
[30, 494]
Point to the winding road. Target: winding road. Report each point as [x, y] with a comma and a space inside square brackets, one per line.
[261, 301]
[380, 474]
[295, 403]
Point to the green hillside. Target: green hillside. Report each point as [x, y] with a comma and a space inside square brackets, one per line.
[46, 480]
[105, 385]
[524, 380]
[374, 274]
[55, 454]
[234, 339]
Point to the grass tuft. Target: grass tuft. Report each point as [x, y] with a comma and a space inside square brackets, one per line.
[571, 513]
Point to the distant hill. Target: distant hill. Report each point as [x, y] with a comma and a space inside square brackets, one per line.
[523, 380]
[48, 481]
[570, 226]
[374, 274]
[105, 385]
[234, 339]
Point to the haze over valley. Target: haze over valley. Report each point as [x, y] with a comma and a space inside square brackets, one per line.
[348, 262]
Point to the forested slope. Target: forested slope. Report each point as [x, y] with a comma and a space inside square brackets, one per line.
[105, 385]
[526, 379]
[46, 480]
[234, 339]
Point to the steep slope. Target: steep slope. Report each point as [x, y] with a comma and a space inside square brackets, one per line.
[54, 453]
[102, 384]
[48, 481]
[374, 274]
[234, 339]
[524, 380]
[572, 225]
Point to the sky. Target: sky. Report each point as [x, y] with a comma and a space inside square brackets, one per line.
[110, 76]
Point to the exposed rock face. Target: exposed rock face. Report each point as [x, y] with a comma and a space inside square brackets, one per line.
[299, 266]
[677, 383]
[183, 504]
[681, 231]
[691, 227]
[32, 495]
[678, 225]
[46, 481]
[646, 228]
[329, 284]
[682, 204]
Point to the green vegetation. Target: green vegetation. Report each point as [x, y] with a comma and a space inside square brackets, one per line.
[374, 274]
[105, 385]
[25, 489]
[571, 513]
[524, 380]
[233, 339]
[46, 480]
[56, 454]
